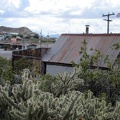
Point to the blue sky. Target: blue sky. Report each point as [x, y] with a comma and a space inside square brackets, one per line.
[60, 16]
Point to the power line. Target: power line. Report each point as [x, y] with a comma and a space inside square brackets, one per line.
[108, 20]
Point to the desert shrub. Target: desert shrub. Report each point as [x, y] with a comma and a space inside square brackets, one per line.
[26, 101]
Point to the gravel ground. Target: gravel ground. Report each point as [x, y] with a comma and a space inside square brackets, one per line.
[6, 54]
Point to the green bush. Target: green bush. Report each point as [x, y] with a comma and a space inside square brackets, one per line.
[6, 47]
[5, 70]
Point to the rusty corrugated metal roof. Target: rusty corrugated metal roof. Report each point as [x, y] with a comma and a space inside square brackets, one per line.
[67, 47]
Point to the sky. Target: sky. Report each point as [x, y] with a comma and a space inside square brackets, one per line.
[60, 16]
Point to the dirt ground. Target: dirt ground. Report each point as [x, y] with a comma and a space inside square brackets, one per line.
[6, 53]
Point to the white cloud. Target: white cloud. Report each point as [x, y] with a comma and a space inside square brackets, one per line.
[16, 3]
[2, 12]
[9, 4]
[60, 15]
[55, 6]
[79, 12]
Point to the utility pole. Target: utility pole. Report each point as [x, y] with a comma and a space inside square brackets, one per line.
[47, 38]
[40, 42]
[108, 20]
[40, 38]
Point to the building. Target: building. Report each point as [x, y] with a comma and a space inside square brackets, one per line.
[59, 57]
[67, 49]
[35, 54]
[2, 36]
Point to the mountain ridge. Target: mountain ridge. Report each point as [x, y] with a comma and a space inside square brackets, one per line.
[20, 30]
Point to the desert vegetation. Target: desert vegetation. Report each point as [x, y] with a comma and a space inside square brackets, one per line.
[85, 94]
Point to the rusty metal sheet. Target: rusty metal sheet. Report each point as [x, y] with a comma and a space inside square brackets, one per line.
[67, 47]
[111, 52]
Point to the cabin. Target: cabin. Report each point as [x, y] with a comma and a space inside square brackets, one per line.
[67, 49]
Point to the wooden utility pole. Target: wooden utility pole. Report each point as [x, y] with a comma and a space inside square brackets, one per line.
[108, 20]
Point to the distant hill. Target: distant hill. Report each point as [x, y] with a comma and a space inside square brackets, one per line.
[55, 35]
[21, 30]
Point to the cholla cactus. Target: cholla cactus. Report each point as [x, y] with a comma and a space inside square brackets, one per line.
[26, 74]
[28, 102]
[97, 109]
[66, 82]
[4, 105]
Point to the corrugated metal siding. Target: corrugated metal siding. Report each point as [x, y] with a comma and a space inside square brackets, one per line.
[67, 47]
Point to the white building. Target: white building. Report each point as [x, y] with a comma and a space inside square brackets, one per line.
[2, 37]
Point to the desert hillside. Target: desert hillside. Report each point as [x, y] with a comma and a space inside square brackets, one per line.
[21, 30]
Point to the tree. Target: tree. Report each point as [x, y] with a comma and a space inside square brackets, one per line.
[36, 36]
[21, 64]
[6, 47]
[5, 70]
[97, 80]
[20, 35]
